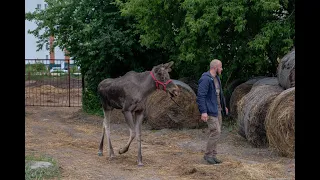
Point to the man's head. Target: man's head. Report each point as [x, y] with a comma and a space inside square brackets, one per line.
[216, 67]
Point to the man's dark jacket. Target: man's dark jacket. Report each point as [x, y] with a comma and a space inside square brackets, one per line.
[207, 98]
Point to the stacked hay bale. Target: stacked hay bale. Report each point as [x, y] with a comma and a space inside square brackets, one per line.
[286, 70]
[252, 110]
[229, 89]
[238, 93]
[162, 112]
[280, 118]
[280, 123]
[190, 82]
[264, 110]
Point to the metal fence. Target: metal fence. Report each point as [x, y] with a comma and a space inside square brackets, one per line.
[52, 82]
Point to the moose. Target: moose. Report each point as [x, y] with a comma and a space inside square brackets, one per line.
[129, 93]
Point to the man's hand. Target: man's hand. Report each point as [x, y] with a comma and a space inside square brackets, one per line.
[204, 117]
[227, 111]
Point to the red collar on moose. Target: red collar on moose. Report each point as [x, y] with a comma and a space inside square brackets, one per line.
[159, 82]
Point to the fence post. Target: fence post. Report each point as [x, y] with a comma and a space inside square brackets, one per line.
[83, 87]
[69, 80]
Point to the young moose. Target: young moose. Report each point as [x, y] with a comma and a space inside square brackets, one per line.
[129, 93]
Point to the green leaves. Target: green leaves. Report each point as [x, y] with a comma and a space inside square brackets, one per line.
[244, 34]
[105, 36]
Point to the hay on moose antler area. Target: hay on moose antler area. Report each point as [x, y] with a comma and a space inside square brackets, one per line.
[238, 93]
[252, 110]
[162, 112]
[280, 123]
[286, 70]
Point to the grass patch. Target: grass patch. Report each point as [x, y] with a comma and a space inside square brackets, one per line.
[229, 123]
[51, 172]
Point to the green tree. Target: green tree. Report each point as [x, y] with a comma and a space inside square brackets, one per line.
[110, 37]
[247, 35]
[102, 42]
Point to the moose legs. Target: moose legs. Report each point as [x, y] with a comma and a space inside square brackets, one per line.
[139, 118]
[134, 123]
[129, 120]
[106, 130]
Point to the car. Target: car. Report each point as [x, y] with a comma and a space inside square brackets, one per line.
[57, 70]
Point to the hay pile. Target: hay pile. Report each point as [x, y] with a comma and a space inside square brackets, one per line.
[238, 93]
[229, 89]
[252, 109]
[162, 112]
[273, 81]
[286, 70]
[280, 123]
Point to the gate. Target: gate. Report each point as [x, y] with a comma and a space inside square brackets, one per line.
[52, 82]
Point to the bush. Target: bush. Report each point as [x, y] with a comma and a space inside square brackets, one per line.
[37, 67]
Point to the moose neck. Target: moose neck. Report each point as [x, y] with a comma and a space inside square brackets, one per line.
[149, 84]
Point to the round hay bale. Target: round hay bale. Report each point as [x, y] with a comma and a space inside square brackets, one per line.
[117, 116]
[252, 109]
[238, 93]
[162, 112]
[286, 70]
[273, 81]
[190, 82]
[229, 89]
[280, 123]
[184, 86]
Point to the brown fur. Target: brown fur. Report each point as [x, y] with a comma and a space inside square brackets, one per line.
[129, 93]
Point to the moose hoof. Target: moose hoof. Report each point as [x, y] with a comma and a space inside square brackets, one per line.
[111, 157]
[140, 165]
[100, 153]
[122, 151]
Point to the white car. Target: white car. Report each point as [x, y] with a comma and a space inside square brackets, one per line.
[58, 69]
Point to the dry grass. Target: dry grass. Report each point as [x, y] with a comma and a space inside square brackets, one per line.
[239, 92]
[50, 95]
[232, 169]
[73, 142]
[272, 81]
[280, 123]
[162, 112]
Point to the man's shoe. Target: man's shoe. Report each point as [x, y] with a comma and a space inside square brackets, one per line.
[217, 160]
[210, 160]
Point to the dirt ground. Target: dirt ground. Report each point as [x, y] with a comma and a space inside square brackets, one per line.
[52, 95]
[72, 139]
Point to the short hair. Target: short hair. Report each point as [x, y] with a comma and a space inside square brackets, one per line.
[214, 63]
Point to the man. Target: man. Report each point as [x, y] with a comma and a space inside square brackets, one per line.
[211, 104]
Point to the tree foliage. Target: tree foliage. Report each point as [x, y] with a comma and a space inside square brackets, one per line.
[102, 42]
[247, 35]
[110, 37]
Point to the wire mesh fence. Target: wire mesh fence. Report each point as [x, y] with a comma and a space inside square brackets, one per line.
[54, 82]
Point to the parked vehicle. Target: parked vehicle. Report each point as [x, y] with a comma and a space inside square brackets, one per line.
[57, 70]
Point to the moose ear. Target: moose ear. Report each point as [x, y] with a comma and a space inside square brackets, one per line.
[168, 65]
